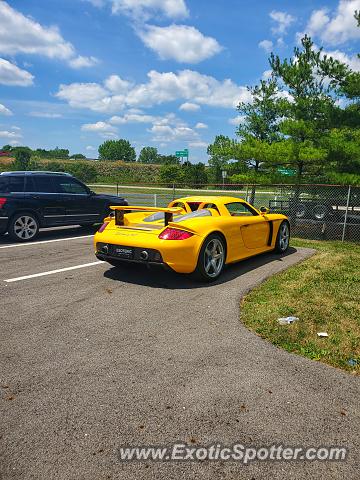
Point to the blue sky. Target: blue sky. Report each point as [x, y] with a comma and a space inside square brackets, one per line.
[164, 73]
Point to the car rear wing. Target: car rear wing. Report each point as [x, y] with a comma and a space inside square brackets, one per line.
[121, 211]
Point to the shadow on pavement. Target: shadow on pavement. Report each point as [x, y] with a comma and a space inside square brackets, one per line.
[156, 277]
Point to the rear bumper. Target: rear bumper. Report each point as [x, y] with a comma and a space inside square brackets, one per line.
[110, 258]
[180, 256]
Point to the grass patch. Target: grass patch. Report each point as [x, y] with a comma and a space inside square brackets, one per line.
[323, 292]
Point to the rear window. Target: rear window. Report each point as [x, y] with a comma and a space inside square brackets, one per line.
[196, 214]
[11, 184]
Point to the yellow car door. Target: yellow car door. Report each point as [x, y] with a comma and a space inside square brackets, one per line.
[255, 232]
[254, 228]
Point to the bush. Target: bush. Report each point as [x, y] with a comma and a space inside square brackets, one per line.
[82, 171]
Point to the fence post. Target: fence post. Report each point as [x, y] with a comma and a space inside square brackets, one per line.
[173, 191]
[117, 189]
[155, 200]
[346, 213]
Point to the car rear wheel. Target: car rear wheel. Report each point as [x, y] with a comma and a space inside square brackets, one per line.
[283, 237]
[23, 227]
[211, 259]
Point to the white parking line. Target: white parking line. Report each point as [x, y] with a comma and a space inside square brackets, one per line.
[51, 272]
[44, 241]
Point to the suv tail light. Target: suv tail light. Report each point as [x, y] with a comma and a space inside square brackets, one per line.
[2, 202]
[174, 234]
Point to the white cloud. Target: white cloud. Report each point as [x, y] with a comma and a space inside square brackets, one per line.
[85, 95]
[267, 45]
[167, 133]
[283, 21]
[21, 34]
[338, 28]
[5, 111]
[132, 118]
[182, 43]
[90, 148]
[185, 85]
[201, 125]
[237, 120]
[11, 135]
[81, 62]
[198, 144]
[45, 115]
[12, 75]
[189, 107]
[117, 85]
[318, 20]
[170, 128]
[266, 74]
[104, 129]
[148, 8]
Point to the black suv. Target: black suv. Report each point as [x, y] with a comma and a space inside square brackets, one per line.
[33, 200]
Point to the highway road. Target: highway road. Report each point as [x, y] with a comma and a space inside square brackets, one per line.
[93, 358]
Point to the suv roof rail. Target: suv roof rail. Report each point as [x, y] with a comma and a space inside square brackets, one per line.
[38, 172]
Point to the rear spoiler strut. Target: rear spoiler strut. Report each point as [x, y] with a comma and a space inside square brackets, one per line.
[121, 211]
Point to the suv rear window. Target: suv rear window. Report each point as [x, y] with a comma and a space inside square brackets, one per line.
[10, 184]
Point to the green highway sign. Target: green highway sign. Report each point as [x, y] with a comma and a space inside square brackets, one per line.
[287, 171]
[182, 153]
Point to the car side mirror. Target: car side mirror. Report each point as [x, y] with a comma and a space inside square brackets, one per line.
[91, 192]
[264, 210]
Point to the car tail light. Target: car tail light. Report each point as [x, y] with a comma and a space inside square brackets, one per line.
[2, 202]
[103, 226]
[174, 234]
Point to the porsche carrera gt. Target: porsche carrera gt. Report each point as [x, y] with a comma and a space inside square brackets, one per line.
[198, 235]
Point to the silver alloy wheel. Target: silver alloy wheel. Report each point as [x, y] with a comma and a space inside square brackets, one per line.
[284, 236]
[214, 258]
[25, 227]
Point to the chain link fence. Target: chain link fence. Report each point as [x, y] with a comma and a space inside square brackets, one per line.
[328, 212]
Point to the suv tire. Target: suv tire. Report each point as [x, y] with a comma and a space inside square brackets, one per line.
[23, 227]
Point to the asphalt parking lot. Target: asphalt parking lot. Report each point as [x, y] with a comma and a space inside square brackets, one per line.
[93, 358]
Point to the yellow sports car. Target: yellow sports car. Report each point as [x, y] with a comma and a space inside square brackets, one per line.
[192, 235]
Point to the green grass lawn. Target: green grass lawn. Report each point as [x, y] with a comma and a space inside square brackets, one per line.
[323, 292]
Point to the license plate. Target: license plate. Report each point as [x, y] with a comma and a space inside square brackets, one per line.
[123, 252]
